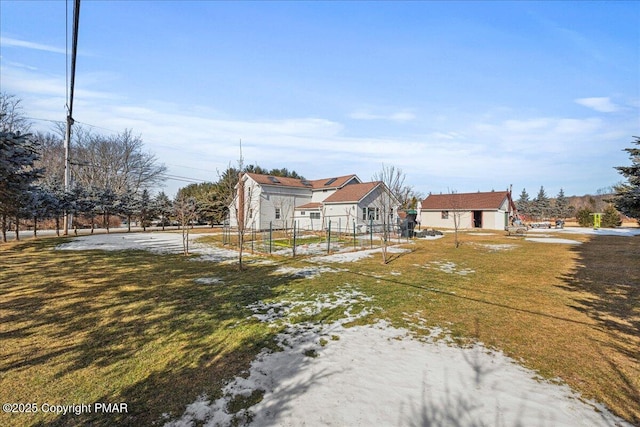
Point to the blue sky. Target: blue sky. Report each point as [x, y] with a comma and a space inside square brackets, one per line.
[462, 96]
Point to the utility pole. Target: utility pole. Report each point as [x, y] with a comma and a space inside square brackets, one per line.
[67, 139]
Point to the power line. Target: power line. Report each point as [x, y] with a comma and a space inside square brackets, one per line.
[183, 178]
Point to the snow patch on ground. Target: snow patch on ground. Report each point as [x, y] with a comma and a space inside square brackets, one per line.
[553, 240]
[355, 256]
[449, 267]
[620, 231]
[286, 310]
[208, 280]
[495, 247]
[378, 375]
[166, 243]
[306, 272]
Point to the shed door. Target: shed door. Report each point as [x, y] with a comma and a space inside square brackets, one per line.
[477, 219]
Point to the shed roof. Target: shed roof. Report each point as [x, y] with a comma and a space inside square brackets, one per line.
[466, 201]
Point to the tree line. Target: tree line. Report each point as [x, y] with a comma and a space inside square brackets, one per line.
[112, 176]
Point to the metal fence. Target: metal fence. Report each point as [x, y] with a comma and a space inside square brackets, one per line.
[295, 241]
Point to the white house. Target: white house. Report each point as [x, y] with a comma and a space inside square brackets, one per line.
[489, 210]
[277, 202]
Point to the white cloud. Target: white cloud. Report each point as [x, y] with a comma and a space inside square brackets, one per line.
[10, 42]
[462, 150]
[600, 104]
[399, 116]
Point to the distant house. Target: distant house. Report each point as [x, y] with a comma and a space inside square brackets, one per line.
[277, 202]
[488, 210]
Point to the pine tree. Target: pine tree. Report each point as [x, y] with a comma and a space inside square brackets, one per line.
[144, 208]
[541, 205]
[523, 203]
[18, 153]
[163, 206]
[562, 208]
[611, 217]
[585, 217]
[627, 197]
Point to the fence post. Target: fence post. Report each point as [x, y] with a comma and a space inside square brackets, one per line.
[270, 236]
[371, 232]
[329, 239]
[295, 223]
[354, 234]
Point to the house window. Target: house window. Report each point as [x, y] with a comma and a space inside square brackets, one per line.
[303, 213]
[314, 215]
[277, 213]
[445, 214]
[370, 213]
[250, 213]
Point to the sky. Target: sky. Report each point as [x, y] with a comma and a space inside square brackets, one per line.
[461, 96]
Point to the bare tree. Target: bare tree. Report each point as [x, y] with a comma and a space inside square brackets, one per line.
[117, 162]
[185, 210]
[12, 116]
[392, 189]
[240, 201]
[456, 211]
[245, 212]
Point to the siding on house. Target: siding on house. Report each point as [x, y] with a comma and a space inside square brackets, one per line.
[277, 202]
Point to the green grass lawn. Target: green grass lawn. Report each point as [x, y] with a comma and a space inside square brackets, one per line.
[136, 327]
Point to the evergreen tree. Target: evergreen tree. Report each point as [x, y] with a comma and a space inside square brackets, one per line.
[627, 197]
[126, 204]
[584, 217]
[611, 217]
[163, 207]
[144, 208]
[523, 203]
[105, 204]
[541, 205]
[562, 209]
[18, 153]
[39, 204]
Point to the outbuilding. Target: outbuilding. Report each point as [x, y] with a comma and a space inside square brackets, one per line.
[486, 210]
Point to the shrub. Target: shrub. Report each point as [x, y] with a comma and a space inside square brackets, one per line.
[584, 217]
[611, 217]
